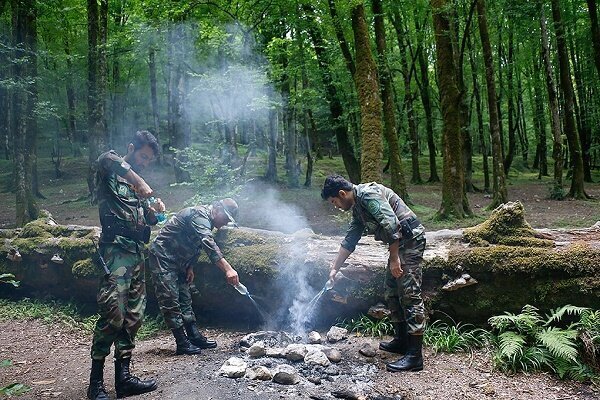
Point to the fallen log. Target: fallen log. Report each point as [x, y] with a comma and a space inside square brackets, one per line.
[470, 274]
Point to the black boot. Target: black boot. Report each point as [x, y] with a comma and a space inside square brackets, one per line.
[183, 344]
[127, 384]
[96, 390]
[197, 338]
[413, 359]
[398, 343]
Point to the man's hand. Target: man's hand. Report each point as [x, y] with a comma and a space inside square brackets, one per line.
[158, 206]
[395, 267]
[232, 277]
[189, 276]
[332, 272]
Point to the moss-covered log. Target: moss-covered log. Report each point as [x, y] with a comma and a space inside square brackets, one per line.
[547, 269]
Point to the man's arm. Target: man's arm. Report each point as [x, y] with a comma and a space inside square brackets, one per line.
[342, 255]
[230, 274]
[112, 162]
[395, 264]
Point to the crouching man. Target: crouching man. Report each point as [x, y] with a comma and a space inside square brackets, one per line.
[380, 211]
[172, 256]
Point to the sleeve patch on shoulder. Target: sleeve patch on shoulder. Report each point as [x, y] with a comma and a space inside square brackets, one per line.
[373, 206]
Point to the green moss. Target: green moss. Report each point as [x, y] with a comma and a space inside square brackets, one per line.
[85, 268]
[29, 245]
[506, 226]
[575, 260]
[258, 258]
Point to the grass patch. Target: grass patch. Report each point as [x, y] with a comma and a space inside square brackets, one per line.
[365, 325]
[68, 315]
[442, 337]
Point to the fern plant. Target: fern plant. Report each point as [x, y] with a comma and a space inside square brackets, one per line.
[530, 342]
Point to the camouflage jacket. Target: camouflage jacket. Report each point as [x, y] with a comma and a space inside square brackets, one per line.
[117, 198]
[185, 235]
[378, 210]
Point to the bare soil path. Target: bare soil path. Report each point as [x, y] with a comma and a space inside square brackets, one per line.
[54, 362]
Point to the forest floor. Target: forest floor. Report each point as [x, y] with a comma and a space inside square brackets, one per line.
[54, 360]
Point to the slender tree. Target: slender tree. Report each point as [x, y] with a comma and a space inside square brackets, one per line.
[367, 88]
[454, 202]
[577, 190]
[499, 191]
[593, 12]
[398, 183]
[557, 153]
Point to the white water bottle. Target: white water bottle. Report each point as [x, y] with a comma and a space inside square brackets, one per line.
[329, 285]
[241, 288]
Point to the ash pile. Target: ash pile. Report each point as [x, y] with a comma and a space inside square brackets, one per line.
[314, 366]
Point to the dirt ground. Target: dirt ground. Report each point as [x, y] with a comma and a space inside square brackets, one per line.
[55, 364]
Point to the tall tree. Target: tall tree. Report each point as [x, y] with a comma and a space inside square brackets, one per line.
[577, 190]
[593, 12]
[500, 193]
[367, 88]
[97, 82]
[557, 153]
[336, 110]
[454, 201]
[398, 183]
[23, 122]
[510, 153]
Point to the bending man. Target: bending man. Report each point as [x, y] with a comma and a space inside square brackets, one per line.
[172, 256]
[379, 211]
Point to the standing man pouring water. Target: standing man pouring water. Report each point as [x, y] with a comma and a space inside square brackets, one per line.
[379, 211]
[172, 256]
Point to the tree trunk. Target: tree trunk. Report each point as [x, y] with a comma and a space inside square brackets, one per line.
[74, 136]
[367, 88]
[480, 129]
[500, 193]
[271, 174]
[426, 100]
[539, 119]
[553, 101]
[577, 190]
[290, 134]
[153, 93]
[23, 101]
[398, 183]
[5, 103]
[336, 110]
[339, 33]
[510, 153]
[97, 70]
[592, 9]
[453, 200]
[522, 124]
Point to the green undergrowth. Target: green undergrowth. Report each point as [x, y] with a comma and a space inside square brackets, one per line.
[456, 337]
[67, 315]
[365, 325]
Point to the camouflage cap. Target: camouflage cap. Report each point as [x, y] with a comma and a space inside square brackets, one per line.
[230, 208]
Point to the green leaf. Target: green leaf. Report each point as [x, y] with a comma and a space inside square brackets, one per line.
[511, 344]
[5, 363]
[14, 389]
[560, 343]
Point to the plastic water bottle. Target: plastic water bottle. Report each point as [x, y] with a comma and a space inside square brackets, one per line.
[329, 285]
[160, 216]
[242, 289]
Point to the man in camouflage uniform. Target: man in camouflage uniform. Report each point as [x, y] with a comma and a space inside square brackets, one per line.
[377, 210]
[172, 257]
[124, 216]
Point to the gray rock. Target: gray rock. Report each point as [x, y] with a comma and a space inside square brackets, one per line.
[332, 370]
[314, 337]
[257, 350]
[286, 375]
[233, 368]
[295, 352]
[314, 379]
[259, 372]
[275, 352]
[333, 355]
[336, 334]
[270, 338]
[379, 311]
[367, 350]
[316, 357]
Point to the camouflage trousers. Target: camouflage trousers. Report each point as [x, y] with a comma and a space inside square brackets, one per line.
[121, 302]
[403, 294]
[172, 291]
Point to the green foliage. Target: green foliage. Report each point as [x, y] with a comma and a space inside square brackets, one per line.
[5, 363]
[212, 177]
[365, 325]
[14, 389]
[529, 342]
[556, 192]
[10, 279]
[454, 338]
